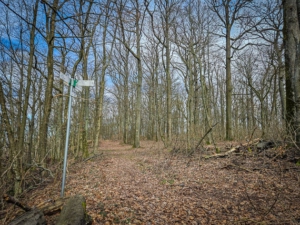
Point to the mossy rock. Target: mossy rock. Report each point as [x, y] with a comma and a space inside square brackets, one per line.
[74, 212]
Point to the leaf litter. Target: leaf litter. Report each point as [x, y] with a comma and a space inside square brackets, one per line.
[149, 185]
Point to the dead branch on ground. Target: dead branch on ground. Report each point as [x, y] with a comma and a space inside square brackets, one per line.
[49, 207]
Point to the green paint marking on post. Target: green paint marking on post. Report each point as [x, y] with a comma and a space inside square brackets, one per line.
[74, 83]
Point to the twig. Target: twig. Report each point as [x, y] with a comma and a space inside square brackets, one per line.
[242, 168]
[36, 165]
[94, 156]
[248, 197]
[207, 132]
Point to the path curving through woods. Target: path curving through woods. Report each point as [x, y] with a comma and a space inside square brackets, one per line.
[148, 185]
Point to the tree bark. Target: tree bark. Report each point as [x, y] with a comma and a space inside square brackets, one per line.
[292, 66]
[43, 132]
[33, 217]
[228, 76]
[139, 78]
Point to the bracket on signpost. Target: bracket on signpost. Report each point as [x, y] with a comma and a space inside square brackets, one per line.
[72, 83]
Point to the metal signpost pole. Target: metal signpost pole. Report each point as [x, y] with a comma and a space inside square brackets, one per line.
[67, 138]
[72, 83]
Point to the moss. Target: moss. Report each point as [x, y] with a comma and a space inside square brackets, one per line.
[84, 205]
[163, 181]
[116, 219]
[73, 211]
[88, 219]
[167, 181]
[103, 214]
[171, 181]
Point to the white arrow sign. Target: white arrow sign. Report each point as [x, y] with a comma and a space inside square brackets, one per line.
[87, 83]
[82, 83]
[65, 78]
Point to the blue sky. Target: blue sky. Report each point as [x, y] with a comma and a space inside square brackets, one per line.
[12, 43]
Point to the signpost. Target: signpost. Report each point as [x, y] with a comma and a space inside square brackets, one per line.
[72, 83]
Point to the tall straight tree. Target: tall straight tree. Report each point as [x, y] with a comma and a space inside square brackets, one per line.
[122, 64]
[51, 14]
[162, 19]
[231, 13]
[132, 13]
[104, 63]
[292, 65]
[87, 26]
[152, 65]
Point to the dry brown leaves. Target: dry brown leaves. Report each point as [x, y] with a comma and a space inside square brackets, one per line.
[149, 186]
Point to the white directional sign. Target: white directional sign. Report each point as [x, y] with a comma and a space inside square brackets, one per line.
[82, 83]
[65, 78]
[87, 83]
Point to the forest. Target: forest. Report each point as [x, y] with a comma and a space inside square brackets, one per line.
[190, 76]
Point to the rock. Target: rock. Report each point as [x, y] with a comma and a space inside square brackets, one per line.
[74, 212]
[32, 217]
[265, 145]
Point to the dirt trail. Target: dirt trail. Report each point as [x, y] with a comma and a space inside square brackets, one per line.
[149, 186]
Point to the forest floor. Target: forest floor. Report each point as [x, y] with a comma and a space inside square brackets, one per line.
[149, 185]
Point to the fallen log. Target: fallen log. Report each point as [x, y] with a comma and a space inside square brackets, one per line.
[235, 149]
[252, 142]
[220, 155]
[73, 211]
[32, 217]
[53, 206]
[48, 207]
[13, 200]
[2, 213]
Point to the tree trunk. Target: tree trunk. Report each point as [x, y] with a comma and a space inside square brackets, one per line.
[292, 63]
[139, 82]
[24, 111]
[43, 132]
[169, 86]
[228, 83]
[11, 140]
[100, 98]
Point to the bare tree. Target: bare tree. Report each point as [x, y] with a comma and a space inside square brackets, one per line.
[231, 14]
[166, 12]
[151, 59]
[292, 65]
[51, 15]
[104, 63]
[129, 13]
[15, 113]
